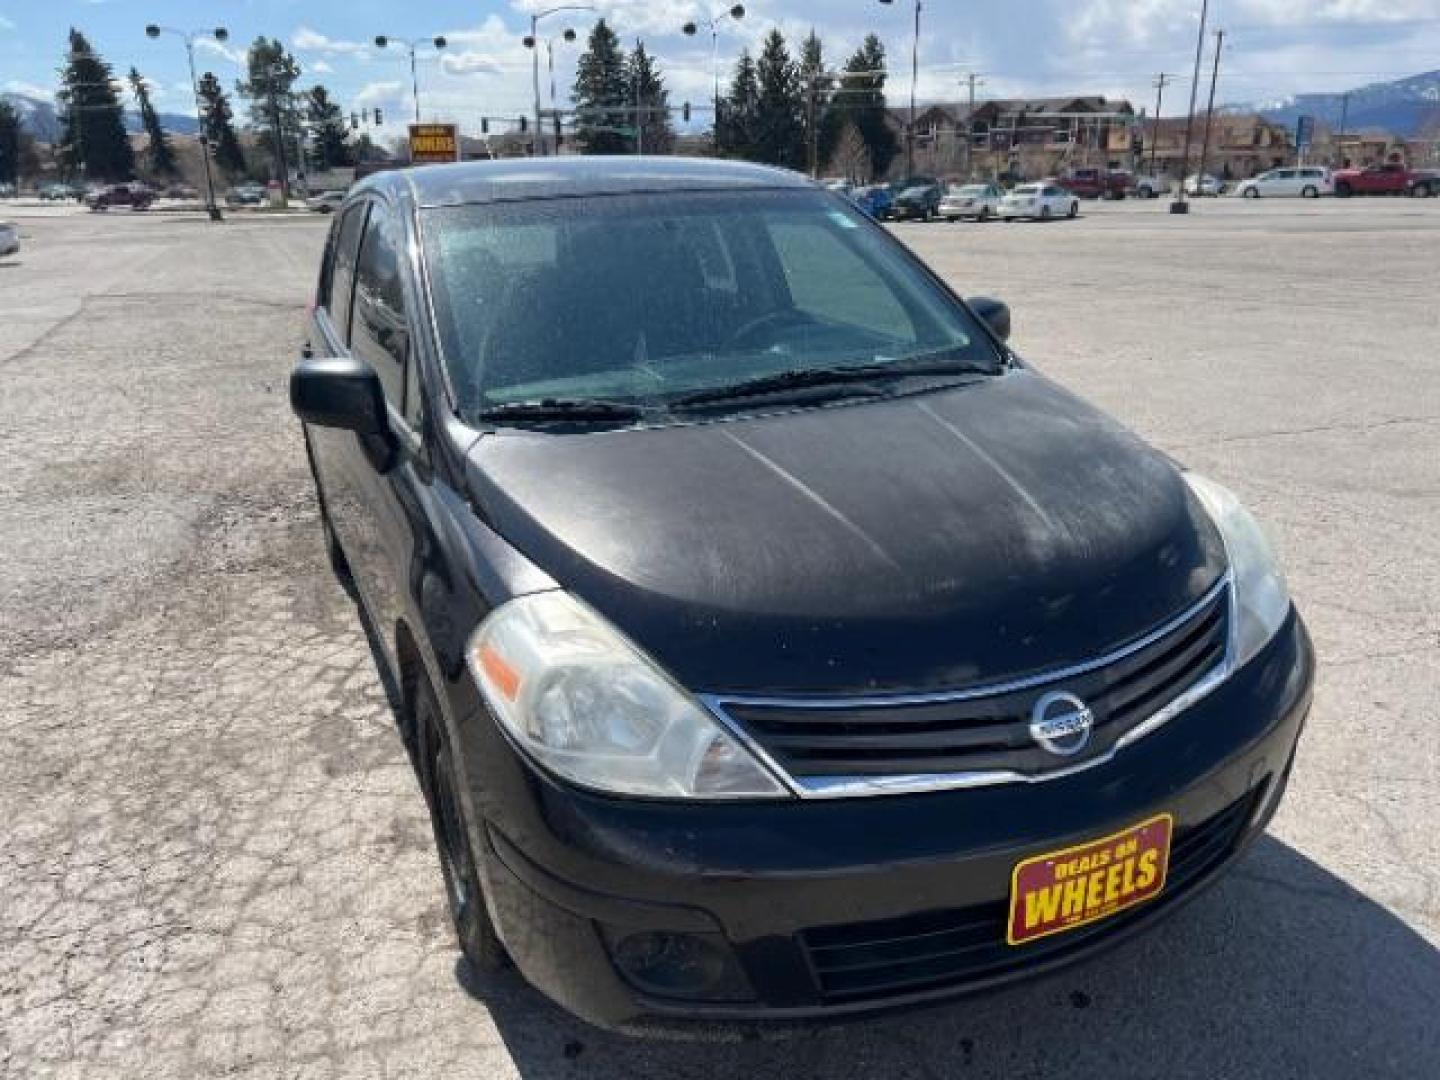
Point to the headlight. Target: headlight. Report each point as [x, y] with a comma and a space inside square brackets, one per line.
[587, 705]
[1262, 600]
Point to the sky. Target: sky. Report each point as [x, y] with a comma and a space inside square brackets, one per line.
[1274, 48]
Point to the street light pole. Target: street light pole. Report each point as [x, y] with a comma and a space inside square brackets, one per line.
[532, 42]
[383, 41]
[219, 34]
[914, 79]
[1160, 81]
[690, 29]
[1180, 206]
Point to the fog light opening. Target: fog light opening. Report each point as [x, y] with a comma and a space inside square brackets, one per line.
[694, 967]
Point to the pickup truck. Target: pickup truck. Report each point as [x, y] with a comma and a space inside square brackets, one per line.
[1392, 178]
[1095, 183]
[135, 196]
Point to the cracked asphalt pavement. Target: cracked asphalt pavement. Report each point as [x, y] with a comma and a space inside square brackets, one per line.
[214, 860]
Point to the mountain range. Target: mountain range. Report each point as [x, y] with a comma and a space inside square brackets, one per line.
[1404, 107]
[42, 121]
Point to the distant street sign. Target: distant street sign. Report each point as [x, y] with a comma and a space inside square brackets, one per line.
[434, 144]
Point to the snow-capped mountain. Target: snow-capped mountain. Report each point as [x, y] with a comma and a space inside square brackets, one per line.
[1402, 107]
[41, 119]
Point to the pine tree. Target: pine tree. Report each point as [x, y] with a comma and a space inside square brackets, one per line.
[330, 146]
[781, 133]
[160, 154]
[860, 99]
[647, 90]
[822, 124]
[9, 143]
[739, 121]
[601, 94]
[93, 139]
[219, 121]
[270, 89]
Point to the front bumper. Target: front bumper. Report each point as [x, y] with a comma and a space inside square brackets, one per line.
[828, 905]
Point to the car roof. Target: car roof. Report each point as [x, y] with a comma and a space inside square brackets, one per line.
[566, 177]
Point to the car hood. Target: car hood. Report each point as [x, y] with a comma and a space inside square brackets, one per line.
[924, 542]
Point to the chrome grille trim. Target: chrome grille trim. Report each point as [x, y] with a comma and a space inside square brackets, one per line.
[831, 787]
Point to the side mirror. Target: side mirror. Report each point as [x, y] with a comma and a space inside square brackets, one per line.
[995, 314]
[339, 392]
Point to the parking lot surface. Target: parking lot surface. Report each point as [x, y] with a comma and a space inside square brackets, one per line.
[215, 860]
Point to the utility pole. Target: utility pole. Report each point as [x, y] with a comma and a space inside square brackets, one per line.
[1160, 81]
[1180, 206]
[272, 72]
[1340, 139]
[1210, 108]
[972, 79]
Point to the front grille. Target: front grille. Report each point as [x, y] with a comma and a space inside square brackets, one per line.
[940, 949]
[988, 731]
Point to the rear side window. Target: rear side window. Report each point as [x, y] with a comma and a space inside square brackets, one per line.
[342, 269]
[379, 328]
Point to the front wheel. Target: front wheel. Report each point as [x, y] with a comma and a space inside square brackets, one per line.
[1310, 192]
[984, 214]
[474, 932]
[1252, 193]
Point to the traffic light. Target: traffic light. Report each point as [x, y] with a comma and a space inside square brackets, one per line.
[354, 121]
[559, 135]
[685, 112]
[524, 125]
[379, 118]
[485, 125]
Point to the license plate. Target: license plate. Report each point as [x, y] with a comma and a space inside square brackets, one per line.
[1063, 890]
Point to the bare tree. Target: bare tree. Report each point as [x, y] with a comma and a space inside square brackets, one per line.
[851, 157]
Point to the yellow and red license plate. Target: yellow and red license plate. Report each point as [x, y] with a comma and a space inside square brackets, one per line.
[1063, 890]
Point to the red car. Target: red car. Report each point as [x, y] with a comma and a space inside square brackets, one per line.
[135, 196]
[1095, 183]
[1391, 178]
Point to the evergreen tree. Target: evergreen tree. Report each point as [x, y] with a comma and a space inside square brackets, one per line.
[602, 90]
[10, 136]
[647, 90]
[860, 100]
[816, 78]
[93, 139]
[160, 154]
[330, 138]
[780, 138]
[270, 89]
[219, 127]
[739, 121]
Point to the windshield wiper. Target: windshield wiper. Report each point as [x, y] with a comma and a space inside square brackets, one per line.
[802, 378]
[573, 409]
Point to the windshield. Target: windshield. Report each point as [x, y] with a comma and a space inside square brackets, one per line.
[972, 189]
[647, 300]
[1027, 189]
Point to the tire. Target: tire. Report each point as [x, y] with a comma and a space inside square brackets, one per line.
[1044, 213]
[1343, 190]
[1074, 211]
[984, 214]
[1420, 191]
[1252, 193]
[1310, 191]
[435, 761]
[1145, 192]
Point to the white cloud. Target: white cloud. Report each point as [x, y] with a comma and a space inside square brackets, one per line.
[219, 48]
[320, 67]
[306, 39]
[380, 93]
[469, 62]
[6, 24]
[29, 89]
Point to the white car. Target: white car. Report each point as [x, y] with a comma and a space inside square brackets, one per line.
[978, 201]
[327, 202]
[1039, 202]
[1307, 181]
[1196, 184]
[9, 238]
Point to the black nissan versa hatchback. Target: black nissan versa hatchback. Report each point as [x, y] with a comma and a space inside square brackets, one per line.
[773, 641]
